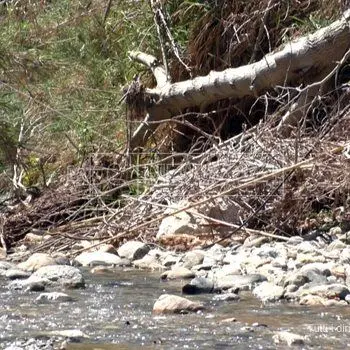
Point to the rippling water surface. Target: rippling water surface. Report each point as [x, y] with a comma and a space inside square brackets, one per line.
[115, 311]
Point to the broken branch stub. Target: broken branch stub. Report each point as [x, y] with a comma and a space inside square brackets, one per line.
[298, 62]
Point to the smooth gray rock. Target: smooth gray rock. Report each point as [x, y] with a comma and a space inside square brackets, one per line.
[267, 291]
[198, 285]
[289, 338]
[226, 297]
[148, 262]
[266, 251]
[344, 257]
[192, 258]
[336, 245]
[167, 303]
[295, 240]
[14, 274]
[238, 281]
[255, 241]
[296, 279]
[133, 250]
[177, 272]
[322, 269]
[36, 261]
[4, 266]
[307, 247]
[33, 285]
[98, 258]
[64, 275]
[54, 296]
[329, 291]
[169, 260]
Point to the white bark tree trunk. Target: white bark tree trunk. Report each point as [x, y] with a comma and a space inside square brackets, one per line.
[298, 62]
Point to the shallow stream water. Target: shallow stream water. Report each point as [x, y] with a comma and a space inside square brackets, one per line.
[115, 311]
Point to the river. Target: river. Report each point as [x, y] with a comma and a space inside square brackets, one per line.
[115, 311]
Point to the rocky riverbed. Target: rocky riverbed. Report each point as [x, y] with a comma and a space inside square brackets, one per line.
[292, 293]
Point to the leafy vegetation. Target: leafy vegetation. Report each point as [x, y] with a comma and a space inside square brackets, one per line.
[62, 68]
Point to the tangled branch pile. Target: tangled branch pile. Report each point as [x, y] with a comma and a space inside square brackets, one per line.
[278, 186]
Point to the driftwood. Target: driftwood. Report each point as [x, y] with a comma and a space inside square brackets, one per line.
[302, 62]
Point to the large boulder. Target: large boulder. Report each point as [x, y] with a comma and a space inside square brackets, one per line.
[67, 276]
[36, 261]
[167, 303]
[268, 292]
[184, 222]
[199, 285]
[98, 258]
[133, 250]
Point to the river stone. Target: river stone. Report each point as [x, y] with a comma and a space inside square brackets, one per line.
[289, 338]
[280, 262]
[36, 261]
[255, 241]
[198, 285]
[336, 245]
[177, 272]
[133, 250]
[102, 270]
[322, 269]
[267, 291]
[231, 269]
[68, 333]
[30, 284]
[4, 266]
[192, 258]
[14, 274]
[306, 247]
[226, 297]
[339, 271]
[316, 300]
[183, 222]
[54, 296]
[168, 303]
[308, 258]
[297, 280]
[345, 238]
[239, 282]
[97, 258]
[345, 256]
[266, 251]
[295, 240]
[329, 291]
[148, 262]
[169, 260]
[68, 276]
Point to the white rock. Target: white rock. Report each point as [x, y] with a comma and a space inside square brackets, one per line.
[267, 291]
[36, 261]
[289, 338]
[98, 258]
[167, 303]
[133, 250]
[184, 222]
[54, 296]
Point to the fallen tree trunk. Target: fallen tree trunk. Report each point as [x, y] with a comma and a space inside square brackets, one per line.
[299, 62]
